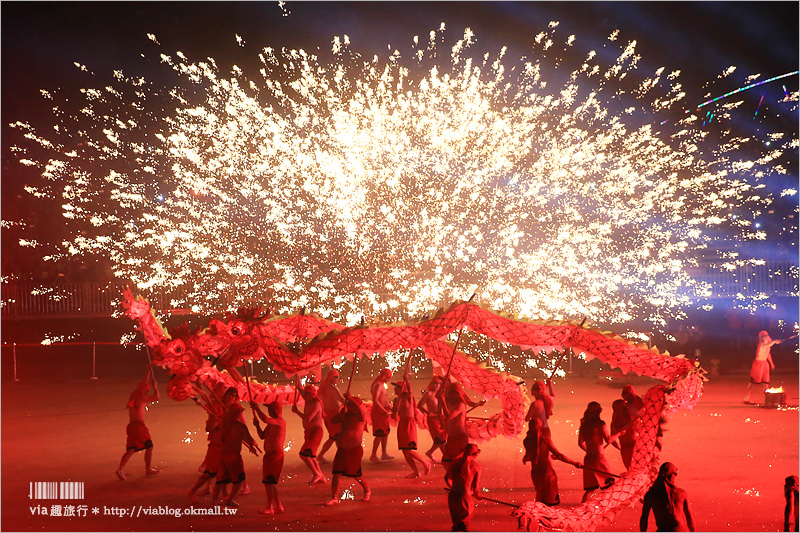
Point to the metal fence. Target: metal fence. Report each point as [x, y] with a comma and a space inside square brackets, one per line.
[773, 278]
[21, 300]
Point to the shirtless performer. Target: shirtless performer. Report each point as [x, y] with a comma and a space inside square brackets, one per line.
[542, 405]
[453, 403]
[274, 435]
[216, 412]
[540, 451]
[405, 411]
[349, 449]
[668, 503]
[234, 435]
[592, 436]
[313, 431]
[381, 415]
[464, 480]
[138, 434]
[635, 405]
[623, 432]
[762, 364]
[429, 405]
[332, 402]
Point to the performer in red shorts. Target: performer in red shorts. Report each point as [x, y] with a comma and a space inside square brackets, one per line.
[405, 410]
[313, 432]
[592, 436]
[138, 434]
[453, 403]
[623, 431]
[464, 480]
[542, 405]
[274, 435]
[332, 402]
[349, 449]
[216, 412]
[208, 468]
[234, 434]
[759, 372]
[381, 416]
[429, 405]
[540, 451]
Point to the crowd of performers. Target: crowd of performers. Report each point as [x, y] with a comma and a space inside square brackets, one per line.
[442, 409]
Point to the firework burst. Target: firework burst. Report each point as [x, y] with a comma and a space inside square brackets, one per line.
[384, 186]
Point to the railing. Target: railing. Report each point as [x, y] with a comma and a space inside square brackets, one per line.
[774, 278]
[22, 300]
[66, 300]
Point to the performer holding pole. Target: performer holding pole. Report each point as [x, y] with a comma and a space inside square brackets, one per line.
[593, 433]
[381, 416]
[312, 416]
[762, 364]
[138, 434]
[464, 481]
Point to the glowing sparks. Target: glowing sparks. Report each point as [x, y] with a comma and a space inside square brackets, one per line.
[383, 189]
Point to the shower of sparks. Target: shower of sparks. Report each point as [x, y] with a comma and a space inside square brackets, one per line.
[50, 339]
[127, 339]
[748, 492]
[385, 188]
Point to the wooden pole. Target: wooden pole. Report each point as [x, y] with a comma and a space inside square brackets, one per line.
[600, 471]
[558, 363]
[94, 360]
[352, 373]
[15, 362]
[247, 380]
[493, 500]
[455, 348]
[149, 359]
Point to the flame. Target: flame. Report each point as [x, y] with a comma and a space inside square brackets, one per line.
[773, 390]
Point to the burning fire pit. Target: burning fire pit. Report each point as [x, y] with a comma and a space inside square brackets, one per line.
[774, 398]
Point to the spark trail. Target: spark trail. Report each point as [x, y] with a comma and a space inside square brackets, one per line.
[382, 187]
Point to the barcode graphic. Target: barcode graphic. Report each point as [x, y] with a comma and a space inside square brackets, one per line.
[55, 490]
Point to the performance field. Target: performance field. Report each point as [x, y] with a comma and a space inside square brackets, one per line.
[732, 460]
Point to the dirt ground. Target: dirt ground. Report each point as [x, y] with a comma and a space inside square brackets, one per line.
[732, 460]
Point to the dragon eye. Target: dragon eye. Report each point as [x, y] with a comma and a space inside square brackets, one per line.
[178, 349]
[235, 331]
